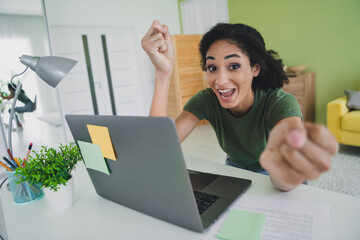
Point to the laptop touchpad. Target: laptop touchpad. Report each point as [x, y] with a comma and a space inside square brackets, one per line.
[200, 180]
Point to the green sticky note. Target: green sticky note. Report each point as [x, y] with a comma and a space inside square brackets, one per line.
[242, 225]
[93, 157]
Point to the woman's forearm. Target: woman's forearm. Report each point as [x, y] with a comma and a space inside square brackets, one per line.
[157, 44]
[159, 105]
[7, 97]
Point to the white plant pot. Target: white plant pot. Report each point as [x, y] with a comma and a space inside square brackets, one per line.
[62, 198]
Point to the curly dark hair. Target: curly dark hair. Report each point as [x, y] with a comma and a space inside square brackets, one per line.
[12, 87]
[252, 44]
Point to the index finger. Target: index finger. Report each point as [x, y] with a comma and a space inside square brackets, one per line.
[285, 128]
[322, 137]
[165, 31]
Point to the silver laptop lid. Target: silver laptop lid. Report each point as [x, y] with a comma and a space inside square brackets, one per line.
[149, 174]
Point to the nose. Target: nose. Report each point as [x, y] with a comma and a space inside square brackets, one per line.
[221, 77]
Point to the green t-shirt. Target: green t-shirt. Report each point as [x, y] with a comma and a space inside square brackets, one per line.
[244, 138]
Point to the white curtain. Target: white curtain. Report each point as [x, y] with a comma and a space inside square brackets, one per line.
[25, 35]
[198, 16]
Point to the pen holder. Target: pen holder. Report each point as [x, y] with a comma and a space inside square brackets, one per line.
[23, 192]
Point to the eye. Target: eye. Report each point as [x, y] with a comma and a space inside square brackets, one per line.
[234, 66]
[211, 68]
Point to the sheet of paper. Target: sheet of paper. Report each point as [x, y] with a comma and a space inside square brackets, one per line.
[285, 219]
[100, 136]
[93, 157]
[241, 225]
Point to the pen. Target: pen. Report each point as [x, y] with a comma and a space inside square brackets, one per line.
[7, 168]
[17, 162]
[10, 163]
[28, 152]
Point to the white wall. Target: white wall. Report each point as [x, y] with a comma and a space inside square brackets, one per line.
[138, 14]
[21, 7]
[24, 18]
[31, 29]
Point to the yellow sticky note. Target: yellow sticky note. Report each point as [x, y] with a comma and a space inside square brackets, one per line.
[100, 135]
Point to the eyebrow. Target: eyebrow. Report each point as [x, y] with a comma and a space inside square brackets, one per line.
[226, 57]
[231, 55]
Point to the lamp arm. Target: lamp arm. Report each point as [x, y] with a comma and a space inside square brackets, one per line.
[12, 112]
[16, 75]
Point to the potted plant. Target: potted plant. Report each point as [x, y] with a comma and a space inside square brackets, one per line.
[3, 91]
[52, 169]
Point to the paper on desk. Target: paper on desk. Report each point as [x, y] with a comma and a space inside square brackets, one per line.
[100, 135]
[285, 219]
[93, 157]
[241, 225]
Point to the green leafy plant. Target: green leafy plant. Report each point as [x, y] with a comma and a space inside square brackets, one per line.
[5, 77]
[50, 167]
[3, 89]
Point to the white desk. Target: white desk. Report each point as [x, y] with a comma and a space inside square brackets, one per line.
[93, 217]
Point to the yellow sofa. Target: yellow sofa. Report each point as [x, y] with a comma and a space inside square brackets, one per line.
[343, 123]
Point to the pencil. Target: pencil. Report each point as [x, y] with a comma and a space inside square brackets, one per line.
[17, 162]
[10, 155]
[10, 163]
[7, 168]
[28, 152]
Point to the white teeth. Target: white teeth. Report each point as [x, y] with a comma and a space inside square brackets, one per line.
[224, 91]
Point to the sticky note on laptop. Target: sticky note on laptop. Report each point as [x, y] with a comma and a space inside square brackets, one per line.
[93, 157]
[240, 225]
[100, 135]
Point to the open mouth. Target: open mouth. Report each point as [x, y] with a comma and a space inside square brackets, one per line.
[227, 93]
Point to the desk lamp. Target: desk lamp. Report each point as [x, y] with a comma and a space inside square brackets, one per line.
[50, 69]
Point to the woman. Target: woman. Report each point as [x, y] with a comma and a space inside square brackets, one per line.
[28, 107]
[257, 124]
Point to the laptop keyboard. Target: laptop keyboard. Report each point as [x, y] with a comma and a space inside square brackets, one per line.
[204, 200]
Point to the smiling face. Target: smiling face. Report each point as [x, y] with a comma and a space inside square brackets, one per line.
[230, 76]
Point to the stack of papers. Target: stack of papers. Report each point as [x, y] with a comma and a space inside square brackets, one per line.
[285, 219]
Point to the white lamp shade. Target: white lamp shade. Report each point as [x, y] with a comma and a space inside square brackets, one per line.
[50, 69]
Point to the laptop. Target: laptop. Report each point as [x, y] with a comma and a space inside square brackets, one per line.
[150, 174]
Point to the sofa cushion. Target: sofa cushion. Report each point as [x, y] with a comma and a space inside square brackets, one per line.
[351, 121]
[353, 99]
